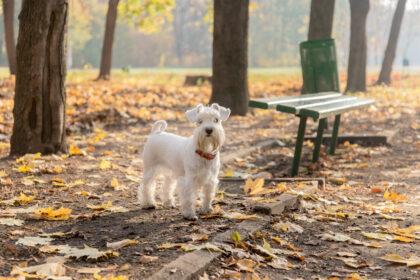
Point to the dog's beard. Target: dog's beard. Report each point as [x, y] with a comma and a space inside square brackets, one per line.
[208, 144]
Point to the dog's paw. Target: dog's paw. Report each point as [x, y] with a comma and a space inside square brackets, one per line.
[148, 206]
[169, 205]
[190, 217]
[206, 209]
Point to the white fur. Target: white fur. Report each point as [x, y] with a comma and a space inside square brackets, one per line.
[174, 156]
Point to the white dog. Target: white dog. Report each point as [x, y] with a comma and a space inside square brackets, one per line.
[192, 162]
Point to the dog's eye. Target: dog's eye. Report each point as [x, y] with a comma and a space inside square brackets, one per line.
[200, 121]
[216, 120]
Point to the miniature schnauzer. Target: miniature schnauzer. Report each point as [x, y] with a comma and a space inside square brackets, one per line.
[192, 162]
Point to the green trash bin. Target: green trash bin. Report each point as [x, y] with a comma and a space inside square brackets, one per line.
[319, 66]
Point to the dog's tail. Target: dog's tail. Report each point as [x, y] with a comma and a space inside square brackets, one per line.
[159, 126]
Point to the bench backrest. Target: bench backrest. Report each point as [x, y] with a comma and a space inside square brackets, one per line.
[319, 66]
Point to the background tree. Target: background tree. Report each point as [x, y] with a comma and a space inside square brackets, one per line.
[230, 55]
[149, 15]
[40, 98]
[386, 69]
[9, 34]
[356, 71]
[106, 56]
[321, 19]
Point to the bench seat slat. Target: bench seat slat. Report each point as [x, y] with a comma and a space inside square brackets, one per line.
[322, 111]
[271, 103]
[294, 107]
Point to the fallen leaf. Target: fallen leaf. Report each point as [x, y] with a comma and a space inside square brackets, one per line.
[411, 261]
[60, 214]
[280, 263]
[105, 165]
[53, 270]
[254, 187]
[33, 241]
[147, 259]
[394, 197]
[376, 235]
[11, 222]
[287, 227]
[123, 243]
[207, 246]
[75, 151]
[246, 265]
[239, 216]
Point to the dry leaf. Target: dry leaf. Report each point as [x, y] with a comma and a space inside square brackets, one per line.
[239, 216]
[254, 187]
[11, 222]
[49, 213]
[376, 235]
[123, 243]
[394, 197]
[53, 270]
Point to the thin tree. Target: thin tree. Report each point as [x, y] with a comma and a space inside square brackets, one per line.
[9, 36]
[106, 57]
[321, 19]
[150, 16]
[40, 97]
[230, 55]
[391, 47]
[356, 71]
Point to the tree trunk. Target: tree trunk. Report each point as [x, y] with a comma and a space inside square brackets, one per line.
[321, 19]
[385, 74]
[356, 71]
[40, 98]
[9, 37]
[230, 55]
[106, 58]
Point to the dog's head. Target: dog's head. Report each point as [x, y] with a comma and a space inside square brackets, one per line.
[209, 132]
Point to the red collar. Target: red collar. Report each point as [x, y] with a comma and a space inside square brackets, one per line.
[205, 155]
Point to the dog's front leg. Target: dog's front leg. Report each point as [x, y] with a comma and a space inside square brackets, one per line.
[209, 191]
[188, 191]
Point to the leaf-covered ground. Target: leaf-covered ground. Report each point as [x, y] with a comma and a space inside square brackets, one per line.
[80, 209]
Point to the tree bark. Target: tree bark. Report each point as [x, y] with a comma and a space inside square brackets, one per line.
[106, 57]
[356, 71]
[230, 55]
[9, 36]
[40, 97]
[321, 19]
[386, 69]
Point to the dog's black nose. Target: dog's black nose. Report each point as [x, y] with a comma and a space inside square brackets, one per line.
[209, 130]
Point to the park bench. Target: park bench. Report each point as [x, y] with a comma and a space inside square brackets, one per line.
[317, 106]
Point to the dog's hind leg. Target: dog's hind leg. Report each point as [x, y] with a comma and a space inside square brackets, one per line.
[167, 192]
[209, 191]
[146, 191]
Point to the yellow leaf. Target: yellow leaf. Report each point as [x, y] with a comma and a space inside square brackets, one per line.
[403, 239]
[236, 237]
[78, 182]
[24, 169]
[57, 169]
[239, 216]
[394, 197]
[3, 174]
[355, 276]
[394, 258]
[75, 151]
[338, 181]
[281, 187]
[254, 187]
[49, 213]
[104, 164]
[23, 199]
[103, 206]
[376, 235]
[229, 172]
[58, 182]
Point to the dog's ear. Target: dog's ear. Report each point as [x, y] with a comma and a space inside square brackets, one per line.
[193, 113]
[224, 112]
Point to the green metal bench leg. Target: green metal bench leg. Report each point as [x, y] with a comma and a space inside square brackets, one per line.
[298, 146]
[335, 134]
[318, 141]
